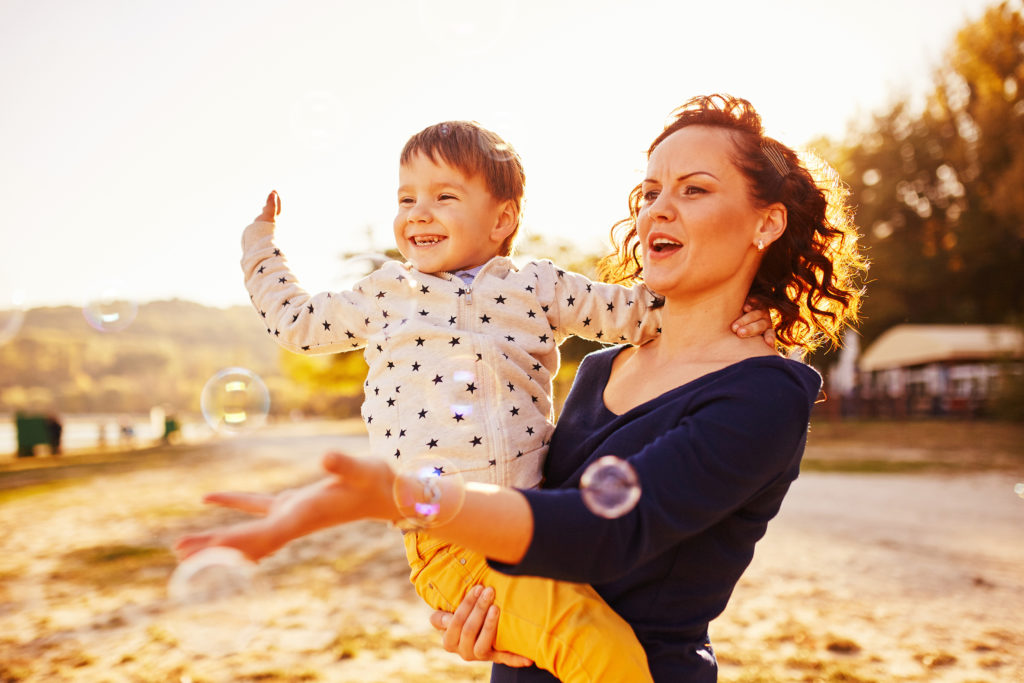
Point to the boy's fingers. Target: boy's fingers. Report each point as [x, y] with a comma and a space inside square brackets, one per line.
[253, 503]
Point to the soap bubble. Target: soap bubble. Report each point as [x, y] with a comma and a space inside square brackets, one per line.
[468, 27]
[357, 266]
[504, 124]
[429, 490]
[468, 383]
[12, 318]
[318, 119]
[109, 311]
[610, 487]
[235, 400]
[212, 596]
[1019, 489]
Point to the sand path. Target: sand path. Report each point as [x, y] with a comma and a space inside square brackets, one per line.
[880, 577]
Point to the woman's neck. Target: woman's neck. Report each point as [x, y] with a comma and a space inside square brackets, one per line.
[699, 328]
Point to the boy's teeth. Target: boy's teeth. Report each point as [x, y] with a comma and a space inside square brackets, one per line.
[433, 239]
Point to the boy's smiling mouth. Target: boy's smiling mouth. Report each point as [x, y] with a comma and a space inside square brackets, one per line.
[427, 240]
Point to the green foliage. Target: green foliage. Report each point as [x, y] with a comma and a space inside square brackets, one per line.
[938, 192]
[58, 363]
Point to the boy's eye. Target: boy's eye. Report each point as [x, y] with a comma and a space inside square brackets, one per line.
[447, 196]
[405, 201]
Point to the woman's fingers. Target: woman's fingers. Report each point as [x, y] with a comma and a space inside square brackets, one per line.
[452, 637]
[440, 619]
[253, 503]
[459, 628]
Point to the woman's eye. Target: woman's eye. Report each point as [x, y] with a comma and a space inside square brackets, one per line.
[649, 196]
[693, 189]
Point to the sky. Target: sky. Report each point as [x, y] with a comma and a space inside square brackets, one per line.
[139, 137]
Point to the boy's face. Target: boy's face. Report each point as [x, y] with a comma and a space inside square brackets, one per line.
[446, 220]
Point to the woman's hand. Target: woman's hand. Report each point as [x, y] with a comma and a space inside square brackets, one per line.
[471, 630]
[358, 488]
[755, 321]
[272, 209]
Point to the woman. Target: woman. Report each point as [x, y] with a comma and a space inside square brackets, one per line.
[714, 425]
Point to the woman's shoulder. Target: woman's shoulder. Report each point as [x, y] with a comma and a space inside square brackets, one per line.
[770, 374]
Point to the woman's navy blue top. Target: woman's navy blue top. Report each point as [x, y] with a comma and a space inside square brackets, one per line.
[715, 458]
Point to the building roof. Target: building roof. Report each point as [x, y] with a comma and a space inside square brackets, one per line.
[907, 345]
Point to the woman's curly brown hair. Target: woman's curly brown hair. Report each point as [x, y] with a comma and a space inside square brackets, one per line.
[809, 278]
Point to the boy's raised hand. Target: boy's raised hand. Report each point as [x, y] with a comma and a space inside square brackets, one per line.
[755, 321]
[272, 209]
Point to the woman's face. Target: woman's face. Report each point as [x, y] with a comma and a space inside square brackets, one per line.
[697, 225]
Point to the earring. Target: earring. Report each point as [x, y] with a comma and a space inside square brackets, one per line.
[760, 245]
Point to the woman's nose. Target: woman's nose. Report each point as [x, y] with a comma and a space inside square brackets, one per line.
[660, 209]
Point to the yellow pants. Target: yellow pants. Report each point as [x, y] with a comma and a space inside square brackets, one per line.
[566, 628]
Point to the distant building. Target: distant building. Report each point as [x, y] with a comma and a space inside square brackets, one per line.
[936, 369]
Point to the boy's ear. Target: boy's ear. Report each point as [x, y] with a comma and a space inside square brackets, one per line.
[774, 223]
[508, 220]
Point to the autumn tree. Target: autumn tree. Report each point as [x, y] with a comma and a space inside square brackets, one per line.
[940, 192]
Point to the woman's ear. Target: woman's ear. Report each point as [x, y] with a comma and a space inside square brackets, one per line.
[773, 225]
[508, 220]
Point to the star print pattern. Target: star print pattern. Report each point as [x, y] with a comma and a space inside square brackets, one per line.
[419, 331]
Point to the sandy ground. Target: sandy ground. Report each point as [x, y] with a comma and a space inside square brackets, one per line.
[863, 577]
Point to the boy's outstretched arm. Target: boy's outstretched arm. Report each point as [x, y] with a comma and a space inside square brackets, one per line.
[294, 513]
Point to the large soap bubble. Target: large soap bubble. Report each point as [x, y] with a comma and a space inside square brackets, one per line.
[429, 490]
[110, 310]
[610, 487]
[211, 593]
[235, 400]
[12, 317]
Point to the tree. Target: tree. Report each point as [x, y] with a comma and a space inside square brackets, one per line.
[938, 193]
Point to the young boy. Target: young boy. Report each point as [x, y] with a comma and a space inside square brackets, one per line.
[462, 346]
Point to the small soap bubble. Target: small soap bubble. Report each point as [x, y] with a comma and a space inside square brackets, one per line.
[503, 124]
[466, 385]
[468, 27]
[235, 400]
[110, 311]
[212, 596]
[318, 119]
[357, 266]
[610, 487]
[1019, 489]
[12, 318]
[429, 490]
